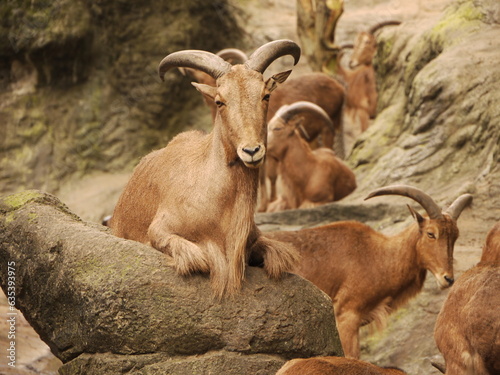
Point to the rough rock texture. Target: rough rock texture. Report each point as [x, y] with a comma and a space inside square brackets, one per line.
[86, 291]
[79, 90]
[438, 126]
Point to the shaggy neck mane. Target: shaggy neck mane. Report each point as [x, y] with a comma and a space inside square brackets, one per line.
[296, 161]
[415, 274]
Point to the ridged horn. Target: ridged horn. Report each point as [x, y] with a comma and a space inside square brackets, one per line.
[414, 193]
[207, 62]
[233, 55]
[286, 112]
[269, 52]
[458, 206]
[378, 26]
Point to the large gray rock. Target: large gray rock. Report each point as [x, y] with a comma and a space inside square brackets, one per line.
[105, 304]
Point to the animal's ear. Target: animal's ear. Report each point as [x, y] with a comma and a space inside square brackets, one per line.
[276, 79]
[206, 90]
[416, 215]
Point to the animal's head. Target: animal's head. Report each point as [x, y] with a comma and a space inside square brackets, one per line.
[437, 232]
[241, 95]
[288, 122]
[365, 45]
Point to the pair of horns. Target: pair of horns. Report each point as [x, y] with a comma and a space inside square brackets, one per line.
[216, 66]
[286, 112]
[425, 200]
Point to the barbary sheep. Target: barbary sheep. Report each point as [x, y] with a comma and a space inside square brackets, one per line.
[195, 199]
[310, 177]
[334, 366]
[322, 90]
[360, 79]
[467, 330]
[367, 274]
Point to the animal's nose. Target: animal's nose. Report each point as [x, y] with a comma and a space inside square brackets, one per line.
[450, 280]
[251, 150]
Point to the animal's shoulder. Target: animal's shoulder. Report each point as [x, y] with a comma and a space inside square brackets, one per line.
[191, 136]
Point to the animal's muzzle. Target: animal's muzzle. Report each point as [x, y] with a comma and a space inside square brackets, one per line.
[252, 156]
[450, 280]
[251, 150]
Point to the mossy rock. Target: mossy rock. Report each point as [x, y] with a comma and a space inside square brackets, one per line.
[88, 293]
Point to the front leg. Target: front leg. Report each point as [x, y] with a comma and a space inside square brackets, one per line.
[348, 324]
[278, 257]
[187, 257]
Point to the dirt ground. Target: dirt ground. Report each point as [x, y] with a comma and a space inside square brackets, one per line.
[407, 342]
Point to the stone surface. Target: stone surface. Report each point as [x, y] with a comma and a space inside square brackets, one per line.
[79, 89]
[86, 291]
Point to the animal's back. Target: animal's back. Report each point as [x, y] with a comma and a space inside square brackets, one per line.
[316, 87]
[331, 249]
[334, 366]
[491, 250]
[469, 323]
[342, 179]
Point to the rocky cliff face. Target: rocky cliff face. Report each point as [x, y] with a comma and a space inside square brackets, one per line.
[438, 126]
[78, 84]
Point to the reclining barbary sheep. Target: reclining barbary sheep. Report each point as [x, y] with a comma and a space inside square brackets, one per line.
[310, 177]
[367, 274]
[195, 199]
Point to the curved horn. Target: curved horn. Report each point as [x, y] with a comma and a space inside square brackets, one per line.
[378, 26]
[458, 206]
[233, 55]
[207, 62]
[266, 54]
[417, 195]
[286, 112]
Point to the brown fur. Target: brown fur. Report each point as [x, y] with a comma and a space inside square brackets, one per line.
[319, 89]
[491, 249]
[334, 366]
[467, 330]
[195, 199]
[360, 79]
[361, 93]
[368, 274]
[310, 178]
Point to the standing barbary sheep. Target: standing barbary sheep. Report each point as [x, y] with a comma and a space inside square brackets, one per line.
[195, 199]
[361, 93]
[310, 177]
[367, 274]
[467, 330]
[334, 366]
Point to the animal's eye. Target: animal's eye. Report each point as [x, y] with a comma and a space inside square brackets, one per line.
[277, 129]
[266, 97]
[431, 235]
[219, 104]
